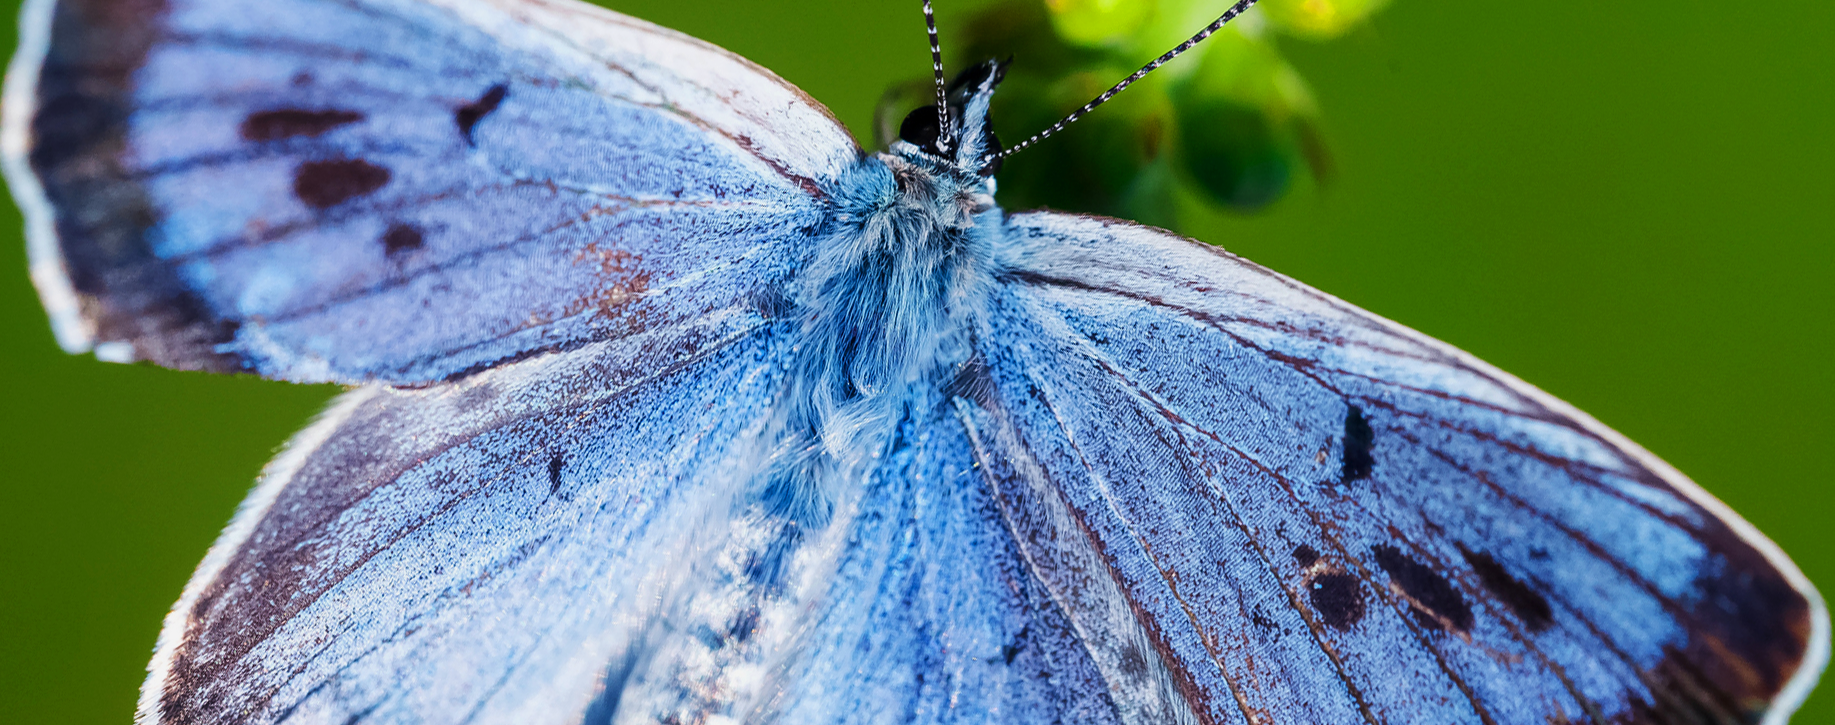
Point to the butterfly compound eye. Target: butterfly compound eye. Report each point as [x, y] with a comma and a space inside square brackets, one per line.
[920, 129]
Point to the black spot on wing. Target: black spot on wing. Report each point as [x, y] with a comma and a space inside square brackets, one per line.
[556, 464]
[744, 625]
[468, 115]
[401, 239]
[1528, 604]
[286, 123]
[1357, 441]
[325, 184]
[1433, 597]
[1306, 555]
[1336, 598]
[1012, 649]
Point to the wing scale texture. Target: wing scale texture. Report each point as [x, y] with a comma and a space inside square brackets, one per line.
[381, 190]
[477, 551]
[1320, 516]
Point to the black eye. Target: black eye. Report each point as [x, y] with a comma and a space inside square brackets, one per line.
[920, 129]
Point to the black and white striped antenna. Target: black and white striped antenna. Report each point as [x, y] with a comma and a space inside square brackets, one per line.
[936, 65]
[1227, 16]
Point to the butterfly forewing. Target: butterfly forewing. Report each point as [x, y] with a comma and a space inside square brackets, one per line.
[1320, 516]
[398, 191]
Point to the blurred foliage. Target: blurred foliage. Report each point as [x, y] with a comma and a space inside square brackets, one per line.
[1229, 122]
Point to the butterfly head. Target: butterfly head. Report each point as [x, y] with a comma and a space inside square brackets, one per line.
[955, 132]
[960, 136]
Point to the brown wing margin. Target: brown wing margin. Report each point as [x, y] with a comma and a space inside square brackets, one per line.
[67, 101]
[71, 90]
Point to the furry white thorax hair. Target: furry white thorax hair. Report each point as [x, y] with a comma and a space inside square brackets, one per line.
[904, 259]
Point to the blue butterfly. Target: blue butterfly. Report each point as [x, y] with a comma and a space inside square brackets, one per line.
[674, 405]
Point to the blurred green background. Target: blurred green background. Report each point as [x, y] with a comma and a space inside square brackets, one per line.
[1626, 204]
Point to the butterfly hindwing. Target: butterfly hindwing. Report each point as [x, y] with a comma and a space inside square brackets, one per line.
[473, 550]
[1318, 516]
[356, 190]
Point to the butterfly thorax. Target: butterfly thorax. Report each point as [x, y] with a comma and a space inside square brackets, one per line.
[903, 260]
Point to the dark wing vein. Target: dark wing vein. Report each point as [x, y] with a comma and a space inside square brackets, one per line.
[253, 634]
[1162, 409]
[1038, 279]
[1015, 449]
[1287, 486]
[1311, 369]
[1572, 466]
[1668, 603]
[1102, 485]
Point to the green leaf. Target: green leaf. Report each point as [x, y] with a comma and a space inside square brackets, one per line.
[1098, 23]
[1230, 123]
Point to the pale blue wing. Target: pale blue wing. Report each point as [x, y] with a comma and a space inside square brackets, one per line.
[395, 190]
[479, 551]
[1314, 515]
[932, 615]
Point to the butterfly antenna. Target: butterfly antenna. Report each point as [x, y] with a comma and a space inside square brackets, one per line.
[936, 65]
[1227, 16]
